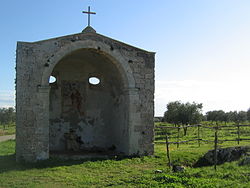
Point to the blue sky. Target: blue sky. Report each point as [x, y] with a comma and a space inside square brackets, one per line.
[202, 46]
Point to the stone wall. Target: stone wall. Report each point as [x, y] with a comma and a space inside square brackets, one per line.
[35, 64]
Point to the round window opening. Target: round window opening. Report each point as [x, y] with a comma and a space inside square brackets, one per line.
[52, 79]
[94, 80]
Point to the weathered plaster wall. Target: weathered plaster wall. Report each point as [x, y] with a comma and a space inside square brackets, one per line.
[132, 68]
[97, 113]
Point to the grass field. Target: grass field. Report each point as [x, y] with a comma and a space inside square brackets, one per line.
[129, 172]
[7, 129]
[224, 133]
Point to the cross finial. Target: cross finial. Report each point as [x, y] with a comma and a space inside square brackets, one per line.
[88, 12]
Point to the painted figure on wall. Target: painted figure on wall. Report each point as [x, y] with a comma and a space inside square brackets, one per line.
[73, 98]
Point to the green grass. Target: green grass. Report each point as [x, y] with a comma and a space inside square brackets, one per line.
[134, 172]
[7, 129]
[129, 172]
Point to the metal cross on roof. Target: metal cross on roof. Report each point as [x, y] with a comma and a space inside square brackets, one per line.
[88, 12]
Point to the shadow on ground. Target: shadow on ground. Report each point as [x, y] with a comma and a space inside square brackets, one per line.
[8, 163]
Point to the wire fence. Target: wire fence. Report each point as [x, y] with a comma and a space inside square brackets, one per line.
[215, 140]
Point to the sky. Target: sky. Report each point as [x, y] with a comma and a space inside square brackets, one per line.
[202, 46]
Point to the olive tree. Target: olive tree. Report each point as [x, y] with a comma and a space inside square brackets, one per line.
[248, 114]
[7, 115]
[183, 113]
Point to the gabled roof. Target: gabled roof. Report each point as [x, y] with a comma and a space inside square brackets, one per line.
[90, 33]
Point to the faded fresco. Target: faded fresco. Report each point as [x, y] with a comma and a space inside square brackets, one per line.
[73, 98]
[84, 117]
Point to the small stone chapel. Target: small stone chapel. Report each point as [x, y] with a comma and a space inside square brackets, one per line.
[100, 102]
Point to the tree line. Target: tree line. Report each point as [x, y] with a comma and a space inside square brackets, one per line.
[7, 115]
[179, 113]
[232, 116]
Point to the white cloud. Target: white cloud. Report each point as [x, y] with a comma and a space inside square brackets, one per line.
[214, 95]
[7, 98]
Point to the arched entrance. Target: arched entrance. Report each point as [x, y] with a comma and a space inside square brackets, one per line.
[88, 111]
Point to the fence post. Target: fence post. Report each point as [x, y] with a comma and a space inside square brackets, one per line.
[199, 135]
[215, 148]
[168, 154]
[178, 138]
[238, 133]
